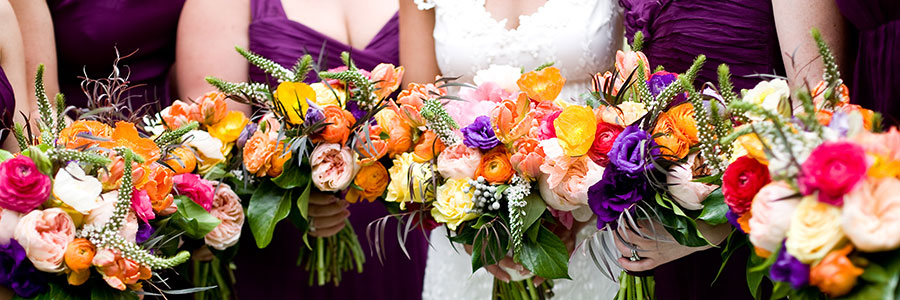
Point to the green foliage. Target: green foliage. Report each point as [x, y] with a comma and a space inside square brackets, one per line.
[544, 66]
[268, 205]
[714, 209]
[293, 175]
[191, 218]
[546, 255]
[726, 88]
[174, 136]
[638, 43]
[682, 227]
[302, 68]
[5, 155]
[270, 67]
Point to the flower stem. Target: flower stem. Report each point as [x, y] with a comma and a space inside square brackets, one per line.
[320, 260]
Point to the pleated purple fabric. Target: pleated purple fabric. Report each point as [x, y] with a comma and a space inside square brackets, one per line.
[7, 105]
[270, 273]
[875, 80]
[740, 33]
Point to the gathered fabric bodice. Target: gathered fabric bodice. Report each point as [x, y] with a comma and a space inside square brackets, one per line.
[7, 105]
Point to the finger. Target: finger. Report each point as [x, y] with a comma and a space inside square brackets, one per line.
[644, 264]
[499, 273]
[538, 280]
[623, 249]
[327, 210]
[468, 248]
[327, 231]
[322, 199]
[330, 221]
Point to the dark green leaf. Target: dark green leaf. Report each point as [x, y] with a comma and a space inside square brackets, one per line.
[303, 201]
[780, 290]
[384, 136]
[103, 293]
[712, 179]
[195, 221]
[293, 175]
[57, 292]
[714, 209]
[682, 228]
[217, 173]
[547, 257]
[534, 209]
[268, 205]
[489, 247]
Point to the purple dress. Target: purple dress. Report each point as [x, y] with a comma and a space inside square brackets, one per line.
[740, 33]
[7, 105]
[877, 67]
[271, 273]
[88, 33]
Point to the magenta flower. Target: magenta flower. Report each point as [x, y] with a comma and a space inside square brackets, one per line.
[833, 169]
[195, 188]
[22, 187]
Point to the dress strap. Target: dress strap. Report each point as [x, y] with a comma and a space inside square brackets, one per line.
[260, 9]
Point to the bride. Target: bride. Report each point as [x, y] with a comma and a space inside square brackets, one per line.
[461, 37]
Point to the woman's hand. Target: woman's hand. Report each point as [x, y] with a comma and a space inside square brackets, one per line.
[662, 249]
[327, 214]
[202, 254]
[508, 263]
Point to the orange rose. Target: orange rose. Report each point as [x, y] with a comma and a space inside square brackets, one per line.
[835, 275]
[210, 108]
[679, 129]
[511, 119]
[79, 254]
[339, 128]
[428, 147]
[278, 159]
[543, 85]
[159, 187]
[176, 115]
[181, 160]
[386, 78]
[126, 135]
[373, 148]
[370, 183]
[69, 138]
[258, 152]
[398, 131]
[495, 166]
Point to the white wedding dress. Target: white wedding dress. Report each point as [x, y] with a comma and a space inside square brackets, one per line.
[581, 38]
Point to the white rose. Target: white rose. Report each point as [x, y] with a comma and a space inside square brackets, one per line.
[684, 190]
[76, 189]
[768, 94]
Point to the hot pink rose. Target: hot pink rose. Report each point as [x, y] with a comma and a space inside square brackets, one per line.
[227, 208]
[333, 167]
[100, 215]
[195, 188]
[140, 203]
[22, 187]
[770, 215]
[547, 130]
[458, 162]
[833, 169]
[44, 234]
[565, 180]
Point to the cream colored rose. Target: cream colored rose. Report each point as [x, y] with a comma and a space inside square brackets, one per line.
[814, 231]
[630, 112]
[45, 234]
[227, 208]
[210, 150]
[767, 94]
[333, 167]
[871, 217]
[100, 215]
[503, 75]
[73, 187]
[453, 206]
[770, 214]
[684, 190]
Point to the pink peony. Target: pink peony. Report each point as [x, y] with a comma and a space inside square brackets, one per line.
[140, 203]
[684, 190]
[45, 234]
[871, 215]
[458, 162]
[100, 215]
[227, 208]
[833, 168]
[22, 187]
[771, 213]
[333, 167]
[195, 188]
[565, 180]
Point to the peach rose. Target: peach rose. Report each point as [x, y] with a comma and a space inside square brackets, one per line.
[565, 180]
[684, 190]
[835, 275]
[459, 162]
[771, 213]
[387, 79]
[340, 122]
[45, 234]
[333, 167]
[871, 214]
[814, 231]
[528, 158]
[227, 208]
[258, 152]
[209, 109]
[119, 272]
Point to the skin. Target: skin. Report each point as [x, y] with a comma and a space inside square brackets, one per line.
[663, 249]
[793, 20]
[38, 38]
[12, 59]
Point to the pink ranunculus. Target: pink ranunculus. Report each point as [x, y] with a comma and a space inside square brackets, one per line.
[528, 158]
[195, 188]
[565, 180]
[22, 186]
[684, 190]
[45, 234]
[547, 130]
[9, 219]
[833, 169]
[333, 167]
[100, 215]
[871, 214]
[770, 214]
[140, 203]
[227, 208]
[458, 162]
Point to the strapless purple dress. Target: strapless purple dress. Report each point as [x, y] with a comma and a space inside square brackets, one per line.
[88, 33]
[271, 273]
[876, 72]
[7, 105]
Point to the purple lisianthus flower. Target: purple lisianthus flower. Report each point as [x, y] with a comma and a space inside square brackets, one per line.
[314, 113]
[355, 110]
[660, 80]
[17, 272]
[480, 134]
[633, 151]
[788, 268]
[144, 232]
[733, 220]
[840, 122]
[246, 134]
[615, 193]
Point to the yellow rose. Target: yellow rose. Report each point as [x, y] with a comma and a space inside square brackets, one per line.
[752, 146]
[326, 95]
[229, 128]
[292, 97]
[768, 95]
[575, 128]
[815, 230]
[399, 188]
[453, 206]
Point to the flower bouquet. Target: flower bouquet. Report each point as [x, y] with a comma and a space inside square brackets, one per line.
[312, 138]
[76, 204]
[816, 191]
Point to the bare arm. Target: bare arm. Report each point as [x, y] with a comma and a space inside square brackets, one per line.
[417, 43]
[793, 21]
[208, 31]
[12, 59]
[39, 43]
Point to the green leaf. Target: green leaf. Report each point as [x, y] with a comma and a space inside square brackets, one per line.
[489, 247]
[712, 179]
[303, 201]
[757, 269]
[682, 228]
[5, 155]
[104, 293]
[384, 136]
[533, 210]
[56, 292]
[41, 160]
[293, 175]
[714, 209]
[780, 290]
[268, 205]
[217, 173]
[547, 257]
[195, 221]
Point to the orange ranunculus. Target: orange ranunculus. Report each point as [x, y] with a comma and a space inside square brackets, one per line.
[429, 147]
[575, 127]
[338, 130]
[511, 119]
[79, 254]
[744, 221]
[412, 99]
[159, 187]
[370, 183]
[178, 114]
[626, 63]
[126, 135]
[398, 131]
[835, 275]
[386, 78]
[120, 272]
[278, 159]
[182, 160]
[69, 138]
[543, 85]
[679, 131]
[373, 148]
[495, 166]
[210, 108]
[258, 152]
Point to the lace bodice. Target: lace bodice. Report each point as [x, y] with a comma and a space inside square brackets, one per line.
[579, 36]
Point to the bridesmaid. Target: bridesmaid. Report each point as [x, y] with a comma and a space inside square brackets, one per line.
[876, 70]
[12, 77]
[742, 34]
[73, 38]
[284, 31]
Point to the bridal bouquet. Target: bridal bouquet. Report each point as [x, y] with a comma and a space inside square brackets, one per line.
[816, 192]
[78, 204]
[312, 138]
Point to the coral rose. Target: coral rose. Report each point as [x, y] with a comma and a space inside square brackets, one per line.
[740, 182]
[333, 167]
[369, 183]
[45, 234]
[69, 136]
[495, 166]
[459, 161]
[542, 86]
[575, 129]
[227, 208]
[770, 215]
[565, 180]
[871, 214]
[453, 205]
[833, 169]
[373, 148]
[835, 275]
[412, 99]
[814, 231]
[340, 122]
[258, 152]
[22, 186]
